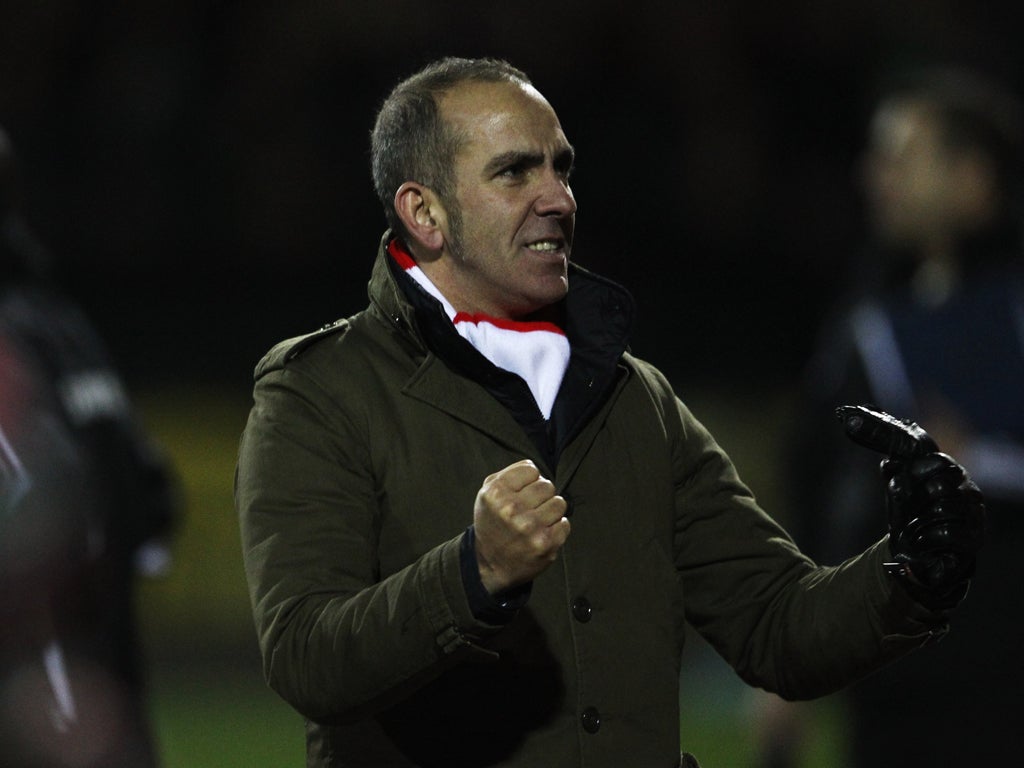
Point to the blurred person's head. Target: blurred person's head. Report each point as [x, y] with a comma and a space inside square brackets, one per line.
[7, 183]
[22, 256]
[942, 163]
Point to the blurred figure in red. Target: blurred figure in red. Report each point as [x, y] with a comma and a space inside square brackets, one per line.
[934, 330]
[85, 504]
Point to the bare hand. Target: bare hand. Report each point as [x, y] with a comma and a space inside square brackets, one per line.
[520, 525]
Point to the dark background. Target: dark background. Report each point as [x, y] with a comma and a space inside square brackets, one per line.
[201, 170]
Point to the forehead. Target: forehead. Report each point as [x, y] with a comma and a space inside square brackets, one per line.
[902, 125]
[501, 115]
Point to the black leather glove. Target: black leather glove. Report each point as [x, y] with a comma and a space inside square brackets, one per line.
[936, 512]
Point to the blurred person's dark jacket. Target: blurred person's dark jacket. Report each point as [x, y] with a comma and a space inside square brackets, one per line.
[87, 503]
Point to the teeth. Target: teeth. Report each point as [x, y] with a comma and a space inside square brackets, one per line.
[544, 245]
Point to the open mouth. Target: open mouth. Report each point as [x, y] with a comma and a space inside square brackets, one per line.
[547, 246]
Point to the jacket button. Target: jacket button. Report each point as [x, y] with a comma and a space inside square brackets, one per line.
[582, 610]
[591, 720]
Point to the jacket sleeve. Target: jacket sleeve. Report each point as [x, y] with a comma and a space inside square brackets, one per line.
[782, 622]
[338, 639]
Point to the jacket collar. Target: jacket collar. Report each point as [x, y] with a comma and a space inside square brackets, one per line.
[598, 320]
[387, 297]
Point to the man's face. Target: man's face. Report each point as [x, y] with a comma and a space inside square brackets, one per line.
[908, 176]
[510, 226]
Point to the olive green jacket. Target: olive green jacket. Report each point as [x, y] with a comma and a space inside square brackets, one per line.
[356, 480]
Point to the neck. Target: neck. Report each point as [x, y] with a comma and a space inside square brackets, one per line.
[937, 277]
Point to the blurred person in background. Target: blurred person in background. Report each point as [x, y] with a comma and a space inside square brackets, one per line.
[87, 503]
[932, 328]
[407, 477]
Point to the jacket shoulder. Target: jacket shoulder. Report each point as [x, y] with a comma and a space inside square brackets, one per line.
[284, 352]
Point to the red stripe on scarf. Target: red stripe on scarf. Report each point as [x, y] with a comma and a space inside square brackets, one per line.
[508, 325]
[400, 255]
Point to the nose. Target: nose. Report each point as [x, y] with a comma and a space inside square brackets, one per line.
[555, 197]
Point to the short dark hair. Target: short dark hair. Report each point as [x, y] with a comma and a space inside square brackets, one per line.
[410, 141]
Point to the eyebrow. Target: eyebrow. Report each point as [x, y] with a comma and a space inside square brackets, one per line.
[563, 160]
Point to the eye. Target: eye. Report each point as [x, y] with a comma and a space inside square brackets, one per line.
[565, 164]
[513, 171]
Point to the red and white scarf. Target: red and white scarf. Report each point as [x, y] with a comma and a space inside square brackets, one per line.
[538, 352]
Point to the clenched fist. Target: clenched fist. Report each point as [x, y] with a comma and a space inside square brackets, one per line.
[520, 525]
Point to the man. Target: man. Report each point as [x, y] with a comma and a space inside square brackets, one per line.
[473, 524]
[87, 504]
[934, 331]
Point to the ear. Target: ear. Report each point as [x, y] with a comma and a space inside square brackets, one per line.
[423, 215]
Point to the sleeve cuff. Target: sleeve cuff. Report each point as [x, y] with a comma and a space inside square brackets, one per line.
[500, 608]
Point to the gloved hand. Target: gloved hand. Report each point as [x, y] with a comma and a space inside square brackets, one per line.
[936, 512]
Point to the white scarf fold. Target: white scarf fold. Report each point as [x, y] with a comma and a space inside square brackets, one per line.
[537, 352]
